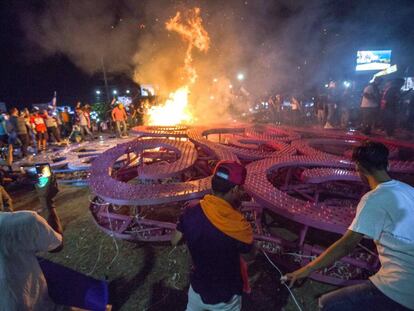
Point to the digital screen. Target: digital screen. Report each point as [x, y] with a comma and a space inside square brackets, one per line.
[43, 170]
[373, 60]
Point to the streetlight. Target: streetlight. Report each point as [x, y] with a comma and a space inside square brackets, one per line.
[240, 76]
[128, 91]
[98, 92]
[114, 92]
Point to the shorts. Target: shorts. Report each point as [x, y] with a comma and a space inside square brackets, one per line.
[4, 139]
[41, 135]
[14, 140]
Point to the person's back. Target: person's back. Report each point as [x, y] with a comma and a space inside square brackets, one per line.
[22, 123]
[83, 121]
[19, 123]
[391, 206]
[216, 257]
[65, 116]
[217, 234]
[22, 283]
[39, 123]
[50, 121]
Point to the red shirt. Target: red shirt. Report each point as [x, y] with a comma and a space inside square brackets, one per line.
[39, 123]
[118, 114]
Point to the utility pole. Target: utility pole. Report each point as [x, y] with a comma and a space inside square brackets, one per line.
[105, 80]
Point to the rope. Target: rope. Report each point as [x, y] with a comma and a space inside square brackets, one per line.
[281, 274]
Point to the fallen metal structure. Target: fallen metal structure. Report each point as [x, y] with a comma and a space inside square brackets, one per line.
[71, 163]
[307, 186]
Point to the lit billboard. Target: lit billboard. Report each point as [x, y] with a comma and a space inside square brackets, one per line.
[373, 60]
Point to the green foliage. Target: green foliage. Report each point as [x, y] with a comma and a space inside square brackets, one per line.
[101, 108]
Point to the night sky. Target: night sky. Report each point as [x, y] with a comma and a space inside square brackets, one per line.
[342, 27]
[24, 80]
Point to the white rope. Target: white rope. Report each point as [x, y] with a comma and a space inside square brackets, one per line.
[281, 274]
[97, 260]
[300, 255]
[113, 238]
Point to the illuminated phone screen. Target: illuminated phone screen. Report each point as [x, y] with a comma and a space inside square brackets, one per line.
[43, 173]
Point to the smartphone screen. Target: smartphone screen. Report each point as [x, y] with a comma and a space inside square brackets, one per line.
[44, 173]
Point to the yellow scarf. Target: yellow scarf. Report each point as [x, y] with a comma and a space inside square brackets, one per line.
[225, 218]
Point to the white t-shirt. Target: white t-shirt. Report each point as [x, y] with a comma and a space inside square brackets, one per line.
[386, 214]
[22, 283]
[82, 118]
[367, 102]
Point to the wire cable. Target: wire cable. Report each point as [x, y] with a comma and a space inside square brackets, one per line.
[175, 278]
[113, 238]
[97, 260]
[281, 274]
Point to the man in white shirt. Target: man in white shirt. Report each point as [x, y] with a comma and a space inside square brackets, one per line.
[370, 105]
[23, 234]
[386, 215]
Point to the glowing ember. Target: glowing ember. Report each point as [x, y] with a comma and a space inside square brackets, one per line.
[175, 110]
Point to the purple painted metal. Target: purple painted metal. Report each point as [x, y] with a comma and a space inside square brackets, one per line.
[320, 175]
[186, 156]
[308, 147]
[297, 197]
[160, 131]
[330, 218]
[273, 133]
[249, 149]
[120, 192]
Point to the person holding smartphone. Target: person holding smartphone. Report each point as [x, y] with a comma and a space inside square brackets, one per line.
[22, 235]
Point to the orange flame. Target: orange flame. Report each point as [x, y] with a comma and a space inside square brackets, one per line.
[194, 33]
[175, 110]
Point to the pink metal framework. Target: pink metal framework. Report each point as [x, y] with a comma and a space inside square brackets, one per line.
[138, 185]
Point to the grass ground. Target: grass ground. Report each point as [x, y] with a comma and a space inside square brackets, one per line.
[150, 276]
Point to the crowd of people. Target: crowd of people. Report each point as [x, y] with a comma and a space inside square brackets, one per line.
[219, 238]
[31, 132]
[378, 107]
[221, 243]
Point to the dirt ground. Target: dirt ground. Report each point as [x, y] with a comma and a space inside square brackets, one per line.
[150, 276]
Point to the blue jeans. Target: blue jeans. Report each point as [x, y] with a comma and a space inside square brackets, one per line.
[361, 297]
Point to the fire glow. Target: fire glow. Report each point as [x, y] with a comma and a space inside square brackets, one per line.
[176, 109]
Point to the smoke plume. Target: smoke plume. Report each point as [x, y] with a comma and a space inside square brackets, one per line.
[280, 46]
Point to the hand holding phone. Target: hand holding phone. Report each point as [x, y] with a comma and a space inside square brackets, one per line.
[46, 185]
[44, 174]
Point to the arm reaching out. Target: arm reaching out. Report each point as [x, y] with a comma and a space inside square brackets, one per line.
[335, 252]
[46, 196]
